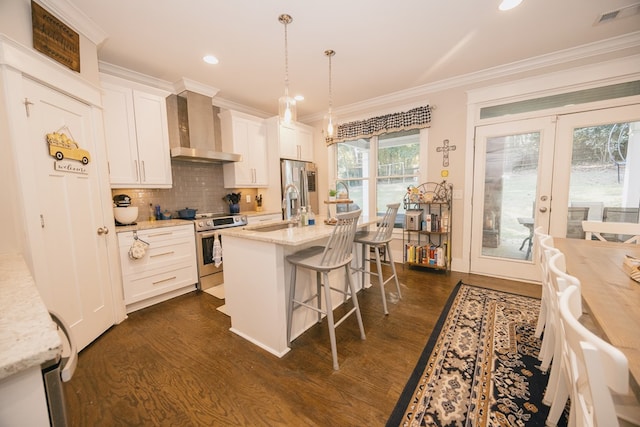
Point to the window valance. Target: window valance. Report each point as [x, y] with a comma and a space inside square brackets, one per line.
[415, 118]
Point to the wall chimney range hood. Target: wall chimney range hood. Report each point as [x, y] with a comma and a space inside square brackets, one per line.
[192, 135]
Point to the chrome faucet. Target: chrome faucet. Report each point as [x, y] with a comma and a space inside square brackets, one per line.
[287, 207]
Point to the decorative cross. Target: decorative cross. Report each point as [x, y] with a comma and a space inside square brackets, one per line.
[445, 151]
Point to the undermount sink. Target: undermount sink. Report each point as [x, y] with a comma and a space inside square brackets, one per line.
[274, 227]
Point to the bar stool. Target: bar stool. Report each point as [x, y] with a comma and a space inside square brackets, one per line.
[322, 259]
[376, 240]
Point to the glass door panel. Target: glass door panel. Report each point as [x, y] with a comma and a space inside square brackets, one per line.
[598, 171]
[513, 196]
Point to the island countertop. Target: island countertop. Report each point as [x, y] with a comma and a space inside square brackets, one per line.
[28, 335]
[295, 236]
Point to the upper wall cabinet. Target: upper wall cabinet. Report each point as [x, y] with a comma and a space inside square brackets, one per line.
[245, 135]
[137, 136]
[295, 140]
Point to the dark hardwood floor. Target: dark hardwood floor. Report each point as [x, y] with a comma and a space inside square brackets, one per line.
[177, 363]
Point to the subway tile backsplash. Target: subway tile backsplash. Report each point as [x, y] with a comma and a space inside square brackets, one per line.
[195, 185]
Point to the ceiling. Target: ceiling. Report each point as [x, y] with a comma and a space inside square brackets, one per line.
[382, 47]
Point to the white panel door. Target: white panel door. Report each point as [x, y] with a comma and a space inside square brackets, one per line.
[71, 263]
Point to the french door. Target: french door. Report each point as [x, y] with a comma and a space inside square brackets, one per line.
[551, 172]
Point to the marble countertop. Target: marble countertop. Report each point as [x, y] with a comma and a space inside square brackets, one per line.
[295, 236]
[28, 336]
[146, 225]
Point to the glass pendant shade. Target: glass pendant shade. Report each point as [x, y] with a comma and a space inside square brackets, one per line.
[287, 109]
[330, 124]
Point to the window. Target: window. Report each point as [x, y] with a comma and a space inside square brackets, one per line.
[378, 170]
[353, 171]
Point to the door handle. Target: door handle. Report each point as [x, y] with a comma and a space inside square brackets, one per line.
[543, 209]
[103, 230]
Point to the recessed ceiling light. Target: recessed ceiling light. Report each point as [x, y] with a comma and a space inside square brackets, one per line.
[210, 59]
[509, 4]
[299, 98]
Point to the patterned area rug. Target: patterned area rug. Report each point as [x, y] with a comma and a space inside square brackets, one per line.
[479, 366]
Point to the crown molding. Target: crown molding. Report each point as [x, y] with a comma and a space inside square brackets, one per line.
[76, 19]
[231, 105]
[134, 76]
[194, 86]
[627, 41]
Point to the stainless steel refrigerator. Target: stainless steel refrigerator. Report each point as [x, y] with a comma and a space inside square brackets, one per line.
[303, 176]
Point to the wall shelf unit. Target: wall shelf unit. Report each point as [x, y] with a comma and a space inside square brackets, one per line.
[426, 235]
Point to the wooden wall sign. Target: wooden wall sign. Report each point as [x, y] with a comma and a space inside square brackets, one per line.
[53, 38]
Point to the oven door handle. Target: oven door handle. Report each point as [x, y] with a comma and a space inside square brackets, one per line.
[207, 234]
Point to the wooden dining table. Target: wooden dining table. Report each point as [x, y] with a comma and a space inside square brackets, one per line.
[611, 296]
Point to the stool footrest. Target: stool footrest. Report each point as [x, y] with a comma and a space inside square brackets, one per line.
[343, 318]
[307, 305]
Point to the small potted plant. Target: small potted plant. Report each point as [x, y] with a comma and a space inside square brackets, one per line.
[332, 194]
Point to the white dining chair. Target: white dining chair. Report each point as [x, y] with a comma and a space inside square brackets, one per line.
[595, 372]
[336, 254]
[612, 231]
[538, 236]
[376, 240]
[547, 251]
[556, 395]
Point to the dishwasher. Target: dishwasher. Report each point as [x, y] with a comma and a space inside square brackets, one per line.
[57, 371]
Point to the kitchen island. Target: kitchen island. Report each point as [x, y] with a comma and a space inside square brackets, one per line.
[257, 278]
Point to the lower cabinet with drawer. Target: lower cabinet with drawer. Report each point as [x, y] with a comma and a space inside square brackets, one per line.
[167, 268]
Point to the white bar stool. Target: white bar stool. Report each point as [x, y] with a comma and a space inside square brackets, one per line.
[379, 239]
[336, 254]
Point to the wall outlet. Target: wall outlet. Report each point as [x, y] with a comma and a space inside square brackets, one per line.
[248, 198]
[457, 194]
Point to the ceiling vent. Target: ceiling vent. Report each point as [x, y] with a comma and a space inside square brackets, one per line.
[623, 12]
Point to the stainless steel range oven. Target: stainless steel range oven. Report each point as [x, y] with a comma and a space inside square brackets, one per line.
[207, 227]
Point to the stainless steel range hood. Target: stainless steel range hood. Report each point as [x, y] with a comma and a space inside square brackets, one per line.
[191, 130]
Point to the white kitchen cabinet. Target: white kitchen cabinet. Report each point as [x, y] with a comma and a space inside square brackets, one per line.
[167, 269]
[245, 135]
[137, 135]
[295, 140]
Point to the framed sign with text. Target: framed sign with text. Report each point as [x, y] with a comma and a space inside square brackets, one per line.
[54, 38]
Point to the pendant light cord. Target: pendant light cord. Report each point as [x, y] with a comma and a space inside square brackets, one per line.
[286, 19]
[330, 85]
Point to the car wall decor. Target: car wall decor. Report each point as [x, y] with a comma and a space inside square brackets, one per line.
[67, 152]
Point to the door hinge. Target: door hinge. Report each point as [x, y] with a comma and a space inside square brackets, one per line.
[41, 221]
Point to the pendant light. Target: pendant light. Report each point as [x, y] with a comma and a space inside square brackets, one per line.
[286, 104]
[330, 125]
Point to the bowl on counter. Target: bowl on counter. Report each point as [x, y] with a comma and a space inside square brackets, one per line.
[125, 215]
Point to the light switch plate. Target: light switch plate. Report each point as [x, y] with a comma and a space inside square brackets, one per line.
[457, 194]
[248, 198]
